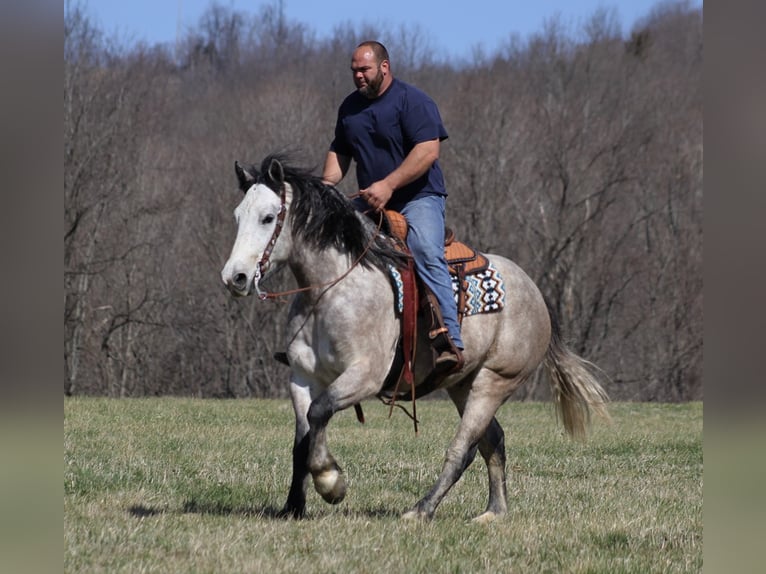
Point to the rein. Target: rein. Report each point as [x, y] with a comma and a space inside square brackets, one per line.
[263, 295]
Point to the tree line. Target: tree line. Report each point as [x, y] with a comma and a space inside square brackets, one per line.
[576, 153]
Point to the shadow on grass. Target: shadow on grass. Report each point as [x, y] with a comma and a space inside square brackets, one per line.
[141, 511]
[198, 507]
[193, 506]
[216, 507]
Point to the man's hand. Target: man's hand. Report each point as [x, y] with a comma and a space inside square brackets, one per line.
[377, 195]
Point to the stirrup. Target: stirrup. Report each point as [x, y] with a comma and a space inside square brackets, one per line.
[449, 361]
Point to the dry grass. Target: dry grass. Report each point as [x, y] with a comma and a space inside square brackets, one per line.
[185, 485]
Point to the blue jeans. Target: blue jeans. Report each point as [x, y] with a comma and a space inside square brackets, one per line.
[425, 238]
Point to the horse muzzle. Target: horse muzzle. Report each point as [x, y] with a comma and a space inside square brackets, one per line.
[239, 286]
[239, 283]
[242, 284]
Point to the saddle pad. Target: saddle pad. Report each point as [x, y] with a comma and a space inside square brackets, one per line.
[484, 292]
[398, 284]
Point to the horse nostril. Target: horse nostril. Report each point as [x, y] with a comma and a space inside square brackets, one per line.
[240, 281]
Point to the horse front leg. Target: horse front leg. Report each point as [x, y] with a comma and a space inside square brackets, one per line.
[328, 477]
[295, 507]
[357, 383]
[310, 452]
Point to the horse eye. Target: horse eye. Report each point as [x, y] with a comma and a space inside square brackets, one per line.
[268, 219]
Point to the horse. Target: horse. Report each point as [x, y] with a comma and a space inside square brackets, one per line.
[343, 330]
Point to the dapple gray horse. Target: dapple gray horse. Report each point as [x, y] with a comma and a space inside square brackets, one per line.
[343, 330]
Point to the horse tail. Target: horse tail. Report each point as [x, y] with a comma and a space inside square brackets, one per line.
[576, 388]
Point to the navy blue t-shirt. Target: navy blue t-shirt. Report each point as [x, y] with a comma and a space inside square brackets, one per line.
[378, 134]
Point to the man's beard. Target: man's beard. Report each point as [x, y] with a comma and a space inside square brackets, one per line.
[372, 89]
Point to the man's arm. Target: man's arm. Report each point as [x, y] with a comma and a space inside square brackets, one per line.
[335, 167]
[418, 161]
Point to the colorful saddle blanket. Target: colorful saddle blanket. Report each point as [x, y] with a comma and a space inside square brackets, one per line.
[484, 291]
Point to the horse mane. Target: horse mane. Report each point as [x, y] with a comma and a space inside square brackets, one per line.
[323, 217]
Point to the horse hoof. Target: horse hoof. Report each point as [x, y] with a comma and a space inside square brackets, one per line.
[415, 514]
[331, 485]
[485, 518]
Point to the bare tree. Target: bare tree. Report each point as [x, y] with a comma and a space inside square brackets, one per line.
[578, 155]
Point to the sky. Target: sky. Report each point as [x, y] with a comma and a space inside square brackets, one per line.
[455, 26]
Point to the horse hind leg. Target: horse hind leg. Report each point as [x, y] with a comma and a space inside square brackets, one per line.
[492, 448]
[477, 404]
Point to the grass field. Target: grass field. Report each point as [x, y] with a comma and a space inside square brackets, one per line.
[189, 485]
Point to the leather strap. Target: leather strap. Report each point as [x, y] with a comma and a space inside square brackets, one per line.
[460, 271]
[409, 336]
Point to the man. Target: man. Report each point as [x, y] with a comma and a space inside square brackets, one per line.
[393, 130]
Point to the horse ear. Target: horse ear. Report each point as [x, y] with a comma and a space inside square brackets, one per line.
[245, 178]
[276, 172]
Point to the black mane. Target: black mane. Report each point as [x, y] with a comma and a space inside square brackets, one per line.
[323, 217]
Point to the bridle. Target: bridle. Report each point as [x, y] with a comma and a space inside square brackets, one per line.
[281, 214]
[263, 295]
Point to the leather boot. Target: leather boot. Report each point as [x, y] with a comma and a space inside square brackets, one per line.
[449, 361]
[447, 357]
